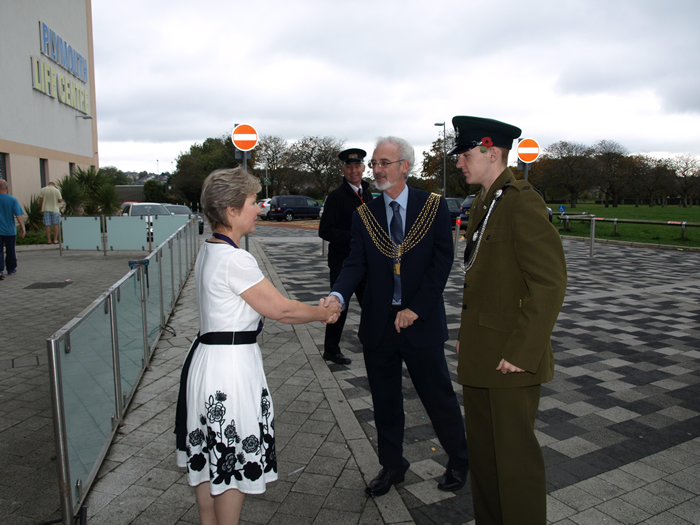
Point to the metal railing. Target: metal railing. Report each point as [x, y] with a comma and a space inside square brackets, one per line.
[96, 361]
[567, 218]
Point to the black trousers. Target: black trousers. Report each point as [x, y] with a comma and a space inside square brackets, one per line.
[8, 241]
[331, 344]
[430, 376]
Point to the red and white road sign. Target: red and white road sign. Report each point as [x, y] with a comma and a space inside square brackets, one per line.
[244, 137]
[528, 150]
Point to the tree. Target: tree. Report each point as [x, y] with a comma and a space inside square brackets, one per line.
[72, 194]
[433, 169]
[318, 156]
[194, 166]
[611, 170]
[272, 155]
[154, 191]
[686, 169]
[565, 166]
[114, 175]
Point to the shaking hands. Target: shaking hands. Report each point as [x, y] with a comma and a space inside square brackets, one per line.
[332, 307]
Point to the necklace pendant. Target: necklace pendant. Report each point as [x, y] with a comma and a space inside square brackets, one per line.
[397, 268]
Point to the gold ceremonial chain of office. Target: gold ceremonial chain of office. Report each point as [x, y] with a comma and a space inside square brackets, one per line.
[383, 241]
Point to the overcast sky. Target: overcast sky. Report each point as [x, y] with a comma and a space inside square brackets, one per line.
[172, 73]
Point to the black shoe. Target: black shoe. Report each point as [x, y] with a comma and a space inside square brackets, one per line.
[338, 359]
[453, 479]
[383, 482]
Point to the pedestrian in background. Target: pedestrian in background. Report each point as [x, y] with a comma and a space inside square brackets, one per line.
[9, 209]
[49, 199]
[335, 225]
[514, 286]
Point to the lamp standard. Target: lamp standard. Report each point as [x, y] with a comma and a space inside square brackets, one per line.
[444, 158]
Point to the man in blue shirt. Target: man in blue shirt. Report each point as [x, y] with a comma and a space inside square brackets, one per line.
[9, 209]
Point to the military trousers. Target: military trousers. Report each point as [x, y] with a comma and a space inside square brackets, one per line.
[506, 463]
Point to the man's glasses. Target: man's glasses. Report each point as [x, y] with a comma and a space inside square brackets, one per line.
[382, 163]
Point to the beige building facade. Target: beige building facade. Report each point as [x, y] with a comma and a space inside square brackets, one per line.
[48, 122]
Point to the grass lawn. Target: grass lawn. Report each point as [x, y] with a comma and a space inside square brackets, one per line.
[647, 233]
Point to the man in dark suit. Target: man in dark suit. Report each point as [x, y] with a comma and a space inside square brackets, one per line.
[514, 286]
[335, 225]
[402, 243]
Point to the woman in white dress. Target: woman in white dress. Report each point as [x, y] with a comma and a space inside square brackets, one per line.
[225, 418]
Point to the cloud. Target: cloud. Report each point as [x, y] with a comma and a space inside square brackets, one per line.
[622, 70]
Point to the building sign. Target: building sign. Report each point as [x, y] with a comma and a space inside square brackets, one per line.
[66, 87]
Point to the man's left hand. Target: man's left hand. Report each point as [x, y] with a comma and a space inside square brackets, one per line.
[504, 367]
[404, 319]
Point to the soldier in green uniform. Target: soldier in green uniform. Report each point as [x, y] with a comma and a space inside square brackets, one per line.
[514, 286]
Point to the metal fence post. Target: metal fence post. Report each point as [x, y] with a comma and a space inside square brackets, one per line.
[683, 230]
[590, 254]
[59, 428]
[457, 225]
[112, 303]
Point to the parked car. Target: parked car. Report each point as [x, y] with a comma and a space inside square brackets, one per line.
[145, 209]
[181, 209]
[465, 209]
[265, 209]
[290, 207]
[453, 205]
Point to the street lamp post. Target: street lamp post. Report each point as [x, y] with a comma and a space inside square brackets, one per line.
[444, 158]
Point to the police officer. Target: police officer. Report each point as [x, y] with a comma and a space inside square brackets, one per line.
[514, 286]
[335, 225]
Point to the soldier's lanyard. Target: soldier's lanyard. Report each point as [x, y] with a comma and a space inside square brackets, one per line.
[479, 231]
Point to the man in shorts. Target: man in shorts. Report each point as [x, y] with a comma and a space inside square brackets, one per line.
[49, 199]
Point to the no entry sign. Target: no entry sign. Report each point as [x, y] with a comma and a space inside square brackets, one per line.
[528, 150]
[244, 137]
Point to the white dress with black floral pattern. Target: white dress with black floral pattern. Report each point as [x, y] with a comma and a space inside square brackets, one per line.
[230, 428]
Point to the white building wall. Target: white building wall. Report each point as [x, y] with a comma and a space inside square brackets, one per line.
[34, 125]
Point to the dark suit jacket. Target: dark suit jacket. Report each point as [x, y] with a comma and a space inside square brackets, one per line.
[336, 221]
[424, 272]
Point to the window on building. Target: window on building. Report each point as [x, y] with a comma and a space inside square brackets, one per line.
[71, 168]
[43, 171]
[3, 166]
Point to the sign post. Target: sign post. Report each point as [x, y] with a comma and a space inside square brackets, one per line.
[245, 138]
[528, 151]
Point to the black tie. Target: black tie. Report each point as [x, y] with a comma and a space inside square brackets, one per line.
[396, 230]
[359, 193]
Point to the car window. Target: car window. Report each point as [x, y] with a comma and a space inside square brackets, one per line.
[468, 201]
[452, 204]
[148, 209]
[179, 209]
[312, 202]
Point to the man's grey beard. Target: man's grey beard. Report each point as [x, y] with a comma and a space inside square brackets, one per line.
[385, 186]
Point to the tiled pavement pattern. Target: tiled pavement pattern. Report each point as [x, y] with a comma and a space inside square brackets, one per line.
[619, 424]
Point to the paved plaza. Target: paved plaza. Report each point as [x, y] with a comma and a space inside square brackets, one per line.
[619, 425]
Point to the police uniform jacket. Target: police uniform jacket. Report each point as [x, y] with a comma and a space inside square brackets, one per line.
[513, 291]
[424, 273]
[336, 220]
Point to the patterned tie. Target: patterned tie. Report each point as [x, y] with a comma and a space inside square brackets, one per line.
[396, 231]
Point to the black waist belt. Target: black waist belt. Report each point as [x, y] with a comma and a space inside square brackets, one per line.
[395, 309]
[210, 338]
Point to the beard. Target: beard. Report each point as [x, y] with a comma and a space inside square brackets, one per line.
[384, 185]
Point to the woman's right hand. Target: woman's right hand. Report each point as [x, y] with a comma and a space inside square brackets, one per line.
[331, 310]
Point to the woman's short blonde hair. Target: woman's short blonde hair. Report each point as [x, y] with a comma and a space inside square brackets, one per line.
[227, 188]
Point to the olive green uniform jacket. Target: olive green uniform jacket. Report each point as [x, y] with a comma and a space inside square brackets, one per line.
[514, 290]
